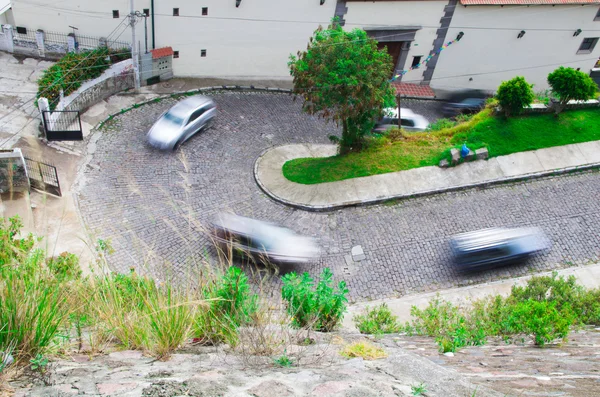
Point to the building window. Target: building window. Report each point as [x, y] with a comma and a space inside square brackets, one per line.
[21, 30]
[175, 54]
[204, 10]
[587, 46]
[115, 13]
[202, 53]
[416, 61]
[597, 16]
[175, 12]
[147, 12]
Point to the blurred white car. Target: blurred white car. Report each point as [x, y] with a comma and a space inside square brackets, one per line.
[263, 241]
[409, 120]
[183, 120]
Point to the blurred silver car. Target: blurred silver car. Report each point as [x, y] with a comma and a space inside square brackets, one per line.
[262, 241]
[409, 120]
[183, 120]
[496, 246]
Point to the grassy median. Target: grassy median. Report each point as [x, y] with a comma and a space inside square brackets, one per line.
[500, 135]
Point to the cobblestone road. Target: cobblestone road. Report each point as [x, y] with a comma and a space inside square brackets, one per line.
[151, 204]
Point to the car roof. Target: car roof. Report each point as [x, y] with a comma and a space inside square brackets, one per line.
[404, 112]
[247, 226]
[488, 238]
[191, 103]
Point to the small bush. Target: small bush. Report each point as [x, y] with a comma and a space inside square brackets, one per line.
[395, 134]
[543, 320]
[321, 308]
[418, 390]
[441, 124]
[69, 72]
[515, 94]
[377, 320]
[364, 350]
[283, 361]
[65, 266]
[570, 84]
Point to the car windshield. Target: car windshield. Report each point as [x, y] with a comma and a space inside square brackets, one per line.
[173, 118]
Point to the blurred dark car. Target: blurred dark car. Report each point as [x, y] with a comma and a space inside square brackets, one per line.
[262, 241]
[497, 246]
[465, 106]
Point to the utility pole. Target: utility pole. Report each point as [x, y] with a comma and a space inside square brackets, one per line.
[134, 47]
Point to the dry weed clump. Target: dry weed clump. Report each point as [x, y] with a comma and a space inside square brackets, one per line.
[364, 350]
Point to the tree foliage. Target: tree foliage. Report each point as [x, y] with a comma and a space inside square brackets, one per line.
[570, 84]
[513, 95]
[343, 77]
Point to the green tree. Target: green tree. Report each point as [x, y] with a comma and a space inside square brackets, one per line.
[343, 77]
[570, 84]
[513, 95]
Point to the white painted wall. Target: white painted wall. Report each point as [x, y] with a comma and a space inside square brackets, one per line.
[490, 56]
[400, 13]
[92, 18]
[252, 41]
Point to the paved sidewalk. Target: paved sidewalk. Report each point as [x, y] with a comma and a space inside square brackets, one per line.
[414, 182]
[587, 276]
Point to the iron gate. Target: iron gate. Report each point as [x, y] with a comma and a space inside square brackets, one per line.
[62, 125]
[43, 176]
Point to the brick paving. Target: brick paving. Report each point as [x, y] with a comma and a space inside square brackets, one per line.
[152, 205]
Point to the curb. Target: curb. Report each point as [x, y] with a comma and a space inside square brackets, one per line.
[191, 92]
[382, 199]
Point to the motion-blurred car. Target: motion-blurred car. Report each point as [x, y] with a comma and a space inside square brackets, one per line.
[496, 246]
[183, 120]
[409, 120]
[262, 241]
[466, 106]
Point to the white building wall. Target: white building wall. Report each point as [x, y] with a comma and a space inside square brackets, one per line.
[92, 18]
[426, 14]
[252, 41]
[494, 54]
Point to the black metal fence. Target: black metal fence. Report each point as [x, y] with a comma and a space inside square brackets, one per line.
[43, 176]
[62, 125]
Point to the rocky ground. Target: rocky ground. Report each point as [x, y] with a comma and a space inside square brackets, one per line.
[497, 369]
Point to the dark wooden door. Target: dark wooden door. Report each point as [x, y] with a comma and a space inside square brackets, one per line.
[393, 48]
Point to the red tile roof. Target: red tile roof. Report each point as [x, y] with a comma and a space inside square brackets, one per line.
[162, 52]
[414, 90]
[525, 2]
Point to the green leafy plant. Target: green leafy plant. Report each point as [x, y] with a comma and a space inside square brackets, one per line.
[515, 94]
[377, 320]
[321, 307]
[343, 77]
[541, 319]
[38, 363]
[65, 266]
[283, 361]
[441, 124]
[418, 390]
[570, 84]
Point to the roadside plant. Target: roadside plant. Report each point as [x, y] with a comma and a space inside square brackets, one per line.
[38, 363]
[570, 84]
[377, 320]
[364, 350]
[320, 307]
[343, 77]
[283, 361]
[65, 266]
[418, 390]
[515, 94]
[543, 320]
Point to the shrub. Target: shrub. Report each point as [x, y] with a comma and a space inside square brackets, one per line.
[515, 94]
[69, 72]
[377, 320]
[543, 320]
[570, 84]
[441, 124]
[364, 350]
[321, 308]
[65, 266]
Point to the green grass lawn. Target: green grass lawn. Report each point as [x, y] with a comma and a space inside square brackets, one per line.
[501, 136]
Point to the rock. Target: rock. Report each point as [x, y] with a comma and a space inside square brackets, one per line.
[270, 388]
[449, 354]
[455, 156]
[483, 364]
[358, 253]
[110, 389]
[470, 156]
[444, 163]
[126, 355]
[482, 154]
[330, 388]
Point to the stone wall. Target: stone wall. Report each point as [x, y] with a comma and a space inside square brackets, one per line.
[13, 174]
[99, 92]
[541, 108]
